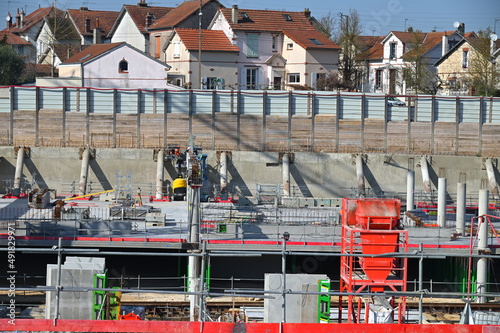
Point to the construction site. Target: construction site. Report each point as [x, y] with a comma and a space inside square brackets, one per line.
[293, 212]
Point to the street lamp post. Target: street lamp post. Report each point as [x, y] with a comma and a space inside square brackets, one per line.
[286, 237]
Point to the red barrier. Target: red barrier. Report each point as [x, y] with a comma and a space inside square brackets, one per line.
[69, 325]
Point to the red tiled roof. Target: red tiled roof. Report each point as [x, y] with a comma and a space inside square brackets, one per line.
[34, 18]
[91, 52]
[13, 39]
[408, 37]
[373, 53]
[65, 51]
[106, 20]
[366, 42]
[139, 13]
[178, 14]
[211, 40]
[267, 20]
[305, 39]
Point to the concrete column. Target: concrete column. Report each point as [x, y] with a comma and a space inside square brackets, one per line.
[223, 172]
[491, 178]
[425, 174]
[482, 264]
[461, 205]
[360, 176]
[286, 175]
[84, 172]
[159, 174]
[19, 171]
[194, 262]
[410, 191]
[441, 210]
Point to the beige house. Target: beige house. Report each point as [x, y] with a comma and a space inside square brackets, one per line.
[454, 67]
[218, 59]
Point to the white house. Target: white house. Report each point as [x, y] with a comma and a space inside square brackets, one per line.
[278, 49]
[113, 65]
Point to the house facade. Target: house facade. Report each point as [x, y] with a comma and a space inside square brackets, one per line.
[21, 46]
[114, 65]
[54, 31]
[278, 49]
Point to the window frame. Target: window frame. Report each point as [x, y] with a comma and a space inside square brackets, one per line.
[120, 70]
[252, 83]
[465, 58]
[289, 46]
[296, 77]
[252, 45]
[177, 49]
[392, 50]
[379, 73]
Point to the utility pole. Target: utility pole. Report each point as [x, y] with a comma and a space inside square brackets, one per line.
[199, 48]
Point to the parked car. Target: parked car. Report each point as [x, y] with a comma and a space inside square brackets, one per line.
[394, 101]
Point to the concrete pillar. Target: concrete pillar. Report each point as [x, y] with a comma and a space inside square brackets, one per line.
[360, 176]
[159, 174]
[223, 172]
[286, 175]
[441, 210]
[410, 191]
[194, 262]
[482, 264]
[84, 172]
[461, 205]
[425, 174]
[19, 171]
[491, 178]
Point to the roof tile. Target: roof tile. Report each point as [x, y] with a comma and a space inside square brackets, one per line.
[211, 40]
[307, 38]
[13, 39]
[91, 52]
[138, 14]
[106, 20]
[35, 17]
[178, 14]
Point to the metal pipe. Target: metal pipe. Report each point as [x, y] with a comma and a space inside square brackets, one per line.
[19, 171]
[410, 191]
[286, 175]
[58, 283]
[420, 282]
[491, 178]
[82, 189]
[283, 271]
[159, 174]
[425, 174]
[194, 261]
[482, 263]
[461, 205]
[360, 176]
[202, 280]
[223, 172]
[441, 209]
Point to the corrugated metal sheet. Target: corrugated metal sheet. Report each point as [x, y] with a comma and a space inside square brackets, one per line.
[495, 111]
[147, 101]
[277, 103]
[51, 98]
[101, 101]
[424, 108]
[374, 107]
[397, 113]
[178, 102]
[251, 103]
[470, 110]
[301, 104]
[126, 102]
[350, 107]
[24, 99]
[202, 102]
[5, 99]
[325, 103]
[71, 99]
[83, 100]
[223, 101]
[445, 109]
[160, 101]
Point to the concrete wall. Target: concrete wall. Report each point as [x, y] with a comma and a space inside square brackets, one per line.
[319, 175]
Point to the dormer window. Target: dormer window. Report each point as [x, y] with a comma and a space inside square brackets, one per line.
[392, 54]
[123, 66]
[244, 16]
[287, 17]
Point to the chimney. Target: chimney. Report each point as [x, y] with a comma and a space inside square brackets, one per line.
[234, 14]
[493, 44]
[461, 29]
[142, 3]
[84, 9]
[444, 46]
[409, 29]
[307, 12]
[97, 32]
[23, 15]
[9, 21]
[87, 24]
[18, 19]
[149, 19]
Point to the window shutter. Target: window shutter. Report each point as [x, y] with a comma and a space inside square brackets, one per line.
[204, 82]
[177, 49]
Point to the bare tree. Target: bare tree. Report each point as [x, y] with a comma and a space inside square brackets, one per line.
[483, 70]
[327, 25]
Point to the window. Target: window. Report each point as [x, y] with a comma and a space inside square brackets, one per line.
[158, 44]
[211, 82]
[177, 49]
[465, 58]
[287, 17]
[244, 16]
[275, 43]
[252, 45]
[392, 50]
[289, 46]
[123, 66]
[294, 78]
[252, 78]
[315, 41]
[378, 78]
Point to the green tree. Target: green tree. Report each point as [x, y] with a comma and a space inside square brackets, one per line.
[11, 65]
[482, 72]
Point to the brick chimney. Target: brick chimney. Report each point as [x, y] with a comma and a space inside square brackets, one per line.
[149, 19]
[444, 45]
[97, 32]
[18, 19]
[9, 21]
[23, 15]
[461, 29]
[142, 3]
[234, 14]
[87, 24]
[307, 13]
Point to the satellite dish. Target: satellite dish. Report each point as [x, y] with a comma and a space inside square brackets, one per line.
[494, 37]
[456, 24]
[8, 18]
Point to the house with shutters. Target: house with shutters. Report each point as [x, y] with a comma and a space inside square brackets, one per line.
[21, 46]
[388, 58]
[132, 23]
[184, 16]
[278, 49]
[218, 60]
[93, 26]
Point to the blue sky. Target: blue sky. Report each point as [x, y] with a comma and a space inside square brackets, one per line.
[377, 17]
